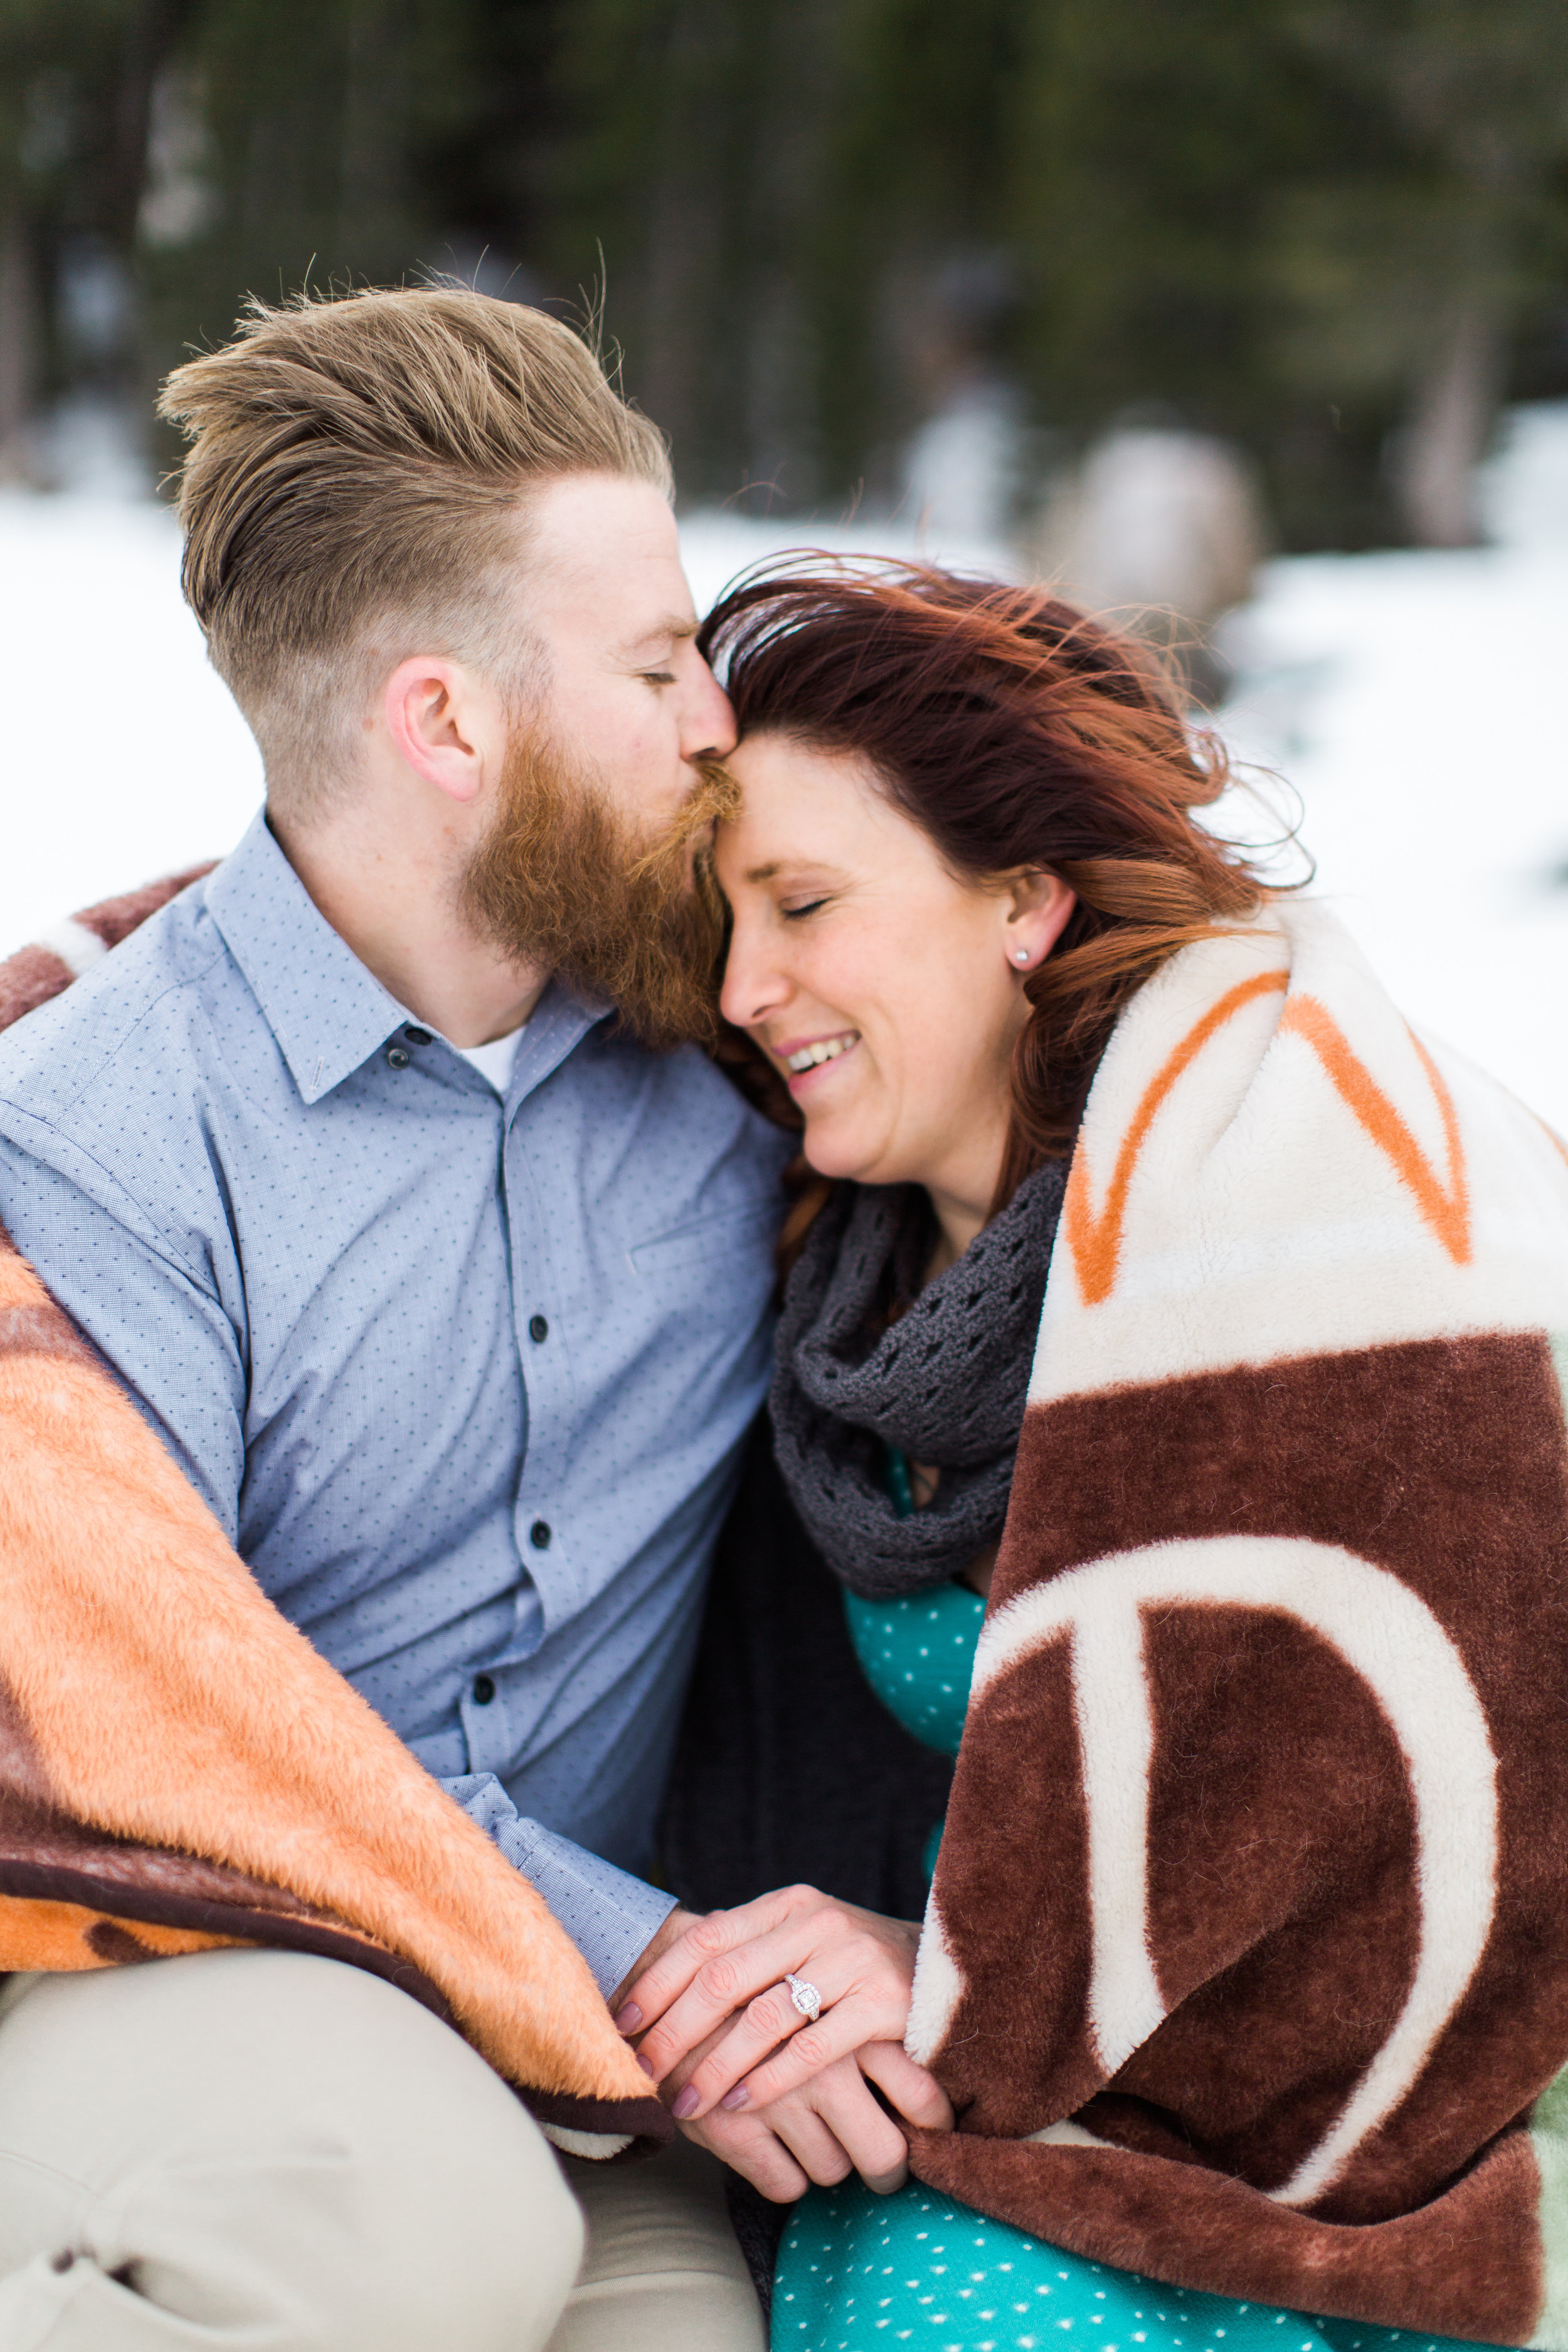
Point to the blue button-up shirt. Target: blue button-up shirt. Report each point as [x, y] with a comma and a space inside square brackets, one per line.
[463, 1376]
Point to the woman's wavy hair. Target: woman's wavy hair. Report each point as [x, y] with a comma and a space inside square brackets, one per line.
[1016, 732]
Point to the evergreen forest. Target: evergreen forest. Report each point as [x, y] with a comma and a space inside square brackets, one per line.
[1333, 231]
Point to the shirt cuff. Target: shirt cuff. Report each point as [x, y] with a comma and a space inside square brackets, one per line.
[611, 1916]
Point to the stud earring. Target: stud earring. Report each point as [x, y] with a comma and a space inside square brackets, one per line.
[1022, 954]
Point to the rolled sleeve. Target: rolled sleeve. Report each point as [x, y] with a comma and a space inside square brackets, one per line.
[611, 1916]
[167, 1337]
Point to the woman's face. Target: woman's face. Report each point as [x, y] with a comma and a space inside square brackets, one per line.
[889, 994]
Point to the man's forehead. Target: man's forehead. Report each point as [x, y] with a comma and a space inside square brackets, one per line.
[613, 570]
[590, 526]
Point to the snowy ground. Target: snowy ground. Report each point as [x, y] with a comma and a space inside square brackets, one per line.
[1413, 704]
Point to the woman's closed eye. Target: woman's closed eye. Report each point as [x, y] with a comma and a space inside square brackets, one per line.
[806, 907]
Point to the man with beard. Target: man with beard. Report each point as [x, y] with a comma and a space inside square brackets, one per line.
[447, 1286]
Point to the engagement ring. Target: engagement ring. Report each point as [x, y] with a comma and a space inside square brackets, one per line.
[805, 1997]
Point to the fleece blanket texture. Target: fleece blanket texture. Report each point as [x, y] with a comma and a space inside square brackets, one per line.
[180, 1769]
[1247, 1959]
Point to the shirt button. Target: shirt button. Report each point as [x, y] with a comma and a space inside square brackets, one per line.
[397, 1057]
[538, 1535]
[416, 1035]
[538, 1329]
[484, 1689]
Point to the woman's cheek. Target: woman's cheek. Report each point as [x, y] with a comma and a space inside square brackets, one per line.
[859, 1127]
[834, 1141]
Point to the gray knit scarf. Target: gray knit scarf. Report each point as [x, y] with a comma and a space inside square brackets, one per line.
[945, 1382]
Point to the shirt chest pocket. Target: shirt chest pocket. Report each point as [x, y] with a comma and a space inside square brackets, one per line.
[719, 1240]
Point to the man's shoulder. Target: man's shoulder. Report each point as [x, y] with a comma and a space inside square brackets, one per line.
[686, 1092]
[675, 1144]
[139, 1018]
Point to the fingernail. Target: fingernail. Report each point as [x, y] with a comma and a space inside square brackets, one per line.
[738, 2097]
[687, 2104]
[629, 2018]
[647, 2064]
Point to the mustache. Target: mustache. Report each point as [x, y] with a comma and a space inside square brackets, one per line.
[687, 839]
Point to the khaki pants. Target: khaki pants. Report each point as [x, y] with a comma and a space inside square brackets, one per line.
[271, 2153]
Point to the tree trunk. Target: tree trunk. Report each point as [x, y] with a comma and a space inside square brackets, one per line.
[150, 33]
[18, 345]
[1450, 427]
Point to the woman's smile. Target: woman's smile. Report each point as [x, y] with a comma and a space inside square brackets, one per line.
[803, 1058]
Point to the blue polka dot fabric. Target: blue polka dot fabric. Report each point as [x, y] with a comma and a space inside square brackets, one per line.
[857, 2271]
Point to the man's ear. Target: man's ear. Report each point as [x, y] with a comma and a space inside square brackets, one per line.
[439, 725]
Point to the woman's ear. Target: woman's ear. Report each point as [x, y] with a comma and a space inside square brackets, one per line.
[1035, 913]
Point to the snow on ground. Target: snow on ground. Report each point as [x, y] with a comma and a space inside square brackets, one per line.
[1412, 702]
[1415, 704]
[125, 757]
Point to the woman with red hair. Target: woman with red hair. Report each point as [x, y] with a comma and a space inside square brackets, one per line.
[1164, 1345]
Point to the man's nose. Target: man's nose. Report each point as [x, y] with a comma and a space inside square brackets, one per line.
[708, 722]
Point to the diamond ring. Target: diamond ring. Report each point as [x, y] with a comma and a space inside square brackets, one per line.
[805, 1997]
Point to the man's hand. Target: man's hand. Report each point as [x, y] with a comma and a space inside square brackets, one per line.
[688, 1992]
[831, 2127]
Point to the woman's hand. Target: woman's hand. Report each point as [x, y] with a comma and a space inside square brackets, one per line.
[861, 1964]
[831, 2127]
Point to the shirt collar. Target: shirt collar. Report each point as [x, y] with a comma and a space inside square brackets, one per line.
[326, 1011]
[557, 1025]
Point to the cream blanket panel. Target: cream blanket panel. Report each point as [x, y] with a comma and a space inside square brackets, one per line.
[1274, 1164]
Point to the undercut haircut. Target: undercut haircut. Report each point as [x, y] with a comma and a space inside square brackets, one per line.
[355, 493]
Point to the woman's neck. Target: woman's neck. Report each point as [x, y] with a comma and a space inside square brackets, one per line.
[961, 1180]
[957, 1223]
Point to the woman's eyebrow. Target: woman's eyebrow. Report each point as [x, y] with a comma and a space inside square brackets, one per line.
[806, 873]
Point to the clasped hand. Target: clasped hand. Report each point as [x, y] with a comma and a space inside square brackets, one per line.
[781, 2099]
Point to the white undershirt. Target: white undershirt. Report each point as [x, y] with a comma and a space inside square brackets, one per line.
[497, 1060]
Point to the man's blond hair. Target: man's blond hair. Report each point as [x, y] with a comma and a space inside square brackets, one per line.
[353, 495]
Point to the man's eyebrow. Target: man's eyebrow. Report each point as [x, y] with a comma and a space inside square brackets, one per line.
[679, 625]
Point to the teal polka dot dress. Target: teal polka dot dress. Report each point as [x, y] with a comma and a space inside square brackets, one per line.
[917, 1654]
[859, 2272]
[862, 2274]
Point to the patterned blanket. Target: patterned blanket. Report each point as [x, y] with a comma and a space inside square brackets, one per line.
[1247, 1957]
[181, 1769]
